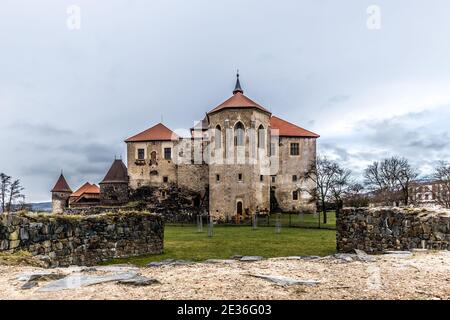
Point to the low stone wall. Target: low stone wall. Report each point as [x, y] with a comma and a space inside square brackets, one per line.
[63, 240]
[376, 230]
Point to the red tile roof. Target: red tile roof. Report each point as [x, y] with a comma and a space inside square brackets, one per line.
[156, 133]
[86, 188]
[61, 185]
[117, 173]
[287, 129]
[239, 100]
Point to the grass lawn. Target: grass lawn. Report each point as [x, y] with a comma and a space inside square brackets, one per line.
[187, 244]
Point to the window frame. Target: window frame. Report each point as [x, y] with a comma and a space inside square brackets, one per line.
[297, 149]
[165, 153]
[139, 154]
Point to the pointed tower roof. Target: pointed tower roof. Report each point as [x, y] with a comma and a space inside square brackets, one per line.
[118, 173]
[238, 87]
[61, 185]
[156, 133]
[239, 101]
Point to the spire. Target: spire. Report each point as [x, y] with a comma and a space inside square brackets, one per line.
[61, 185]
[238, 85]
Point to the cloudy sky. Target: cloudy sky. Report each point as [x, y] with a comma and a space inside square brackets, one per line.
[69, 97]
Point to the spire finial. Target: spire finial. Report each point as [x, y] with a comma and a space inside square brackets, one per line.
[238, 87]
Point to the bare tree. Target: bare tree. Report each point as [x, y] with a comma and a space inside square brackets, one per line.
[323, 173]
[5, 182]
[355, 196]
[442, 177]
[10, 191]
[14, 193]
[339, 186]
[391, 179]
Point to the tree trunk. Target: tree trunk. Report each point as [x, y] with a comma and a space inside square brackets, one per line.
[324, 210]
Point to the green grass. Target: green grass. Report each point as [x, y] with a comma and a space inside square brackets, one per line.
[187, 244]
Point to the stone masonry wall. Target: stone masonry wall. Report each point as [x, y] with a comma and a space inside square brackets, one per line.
[376, 230]
[291, 166]
[63, 240]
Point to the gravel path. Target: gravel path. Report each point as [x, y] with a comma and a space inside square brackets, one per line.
[424, 275]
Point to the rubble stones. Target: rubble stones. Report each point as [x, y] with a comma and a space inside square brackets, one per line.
[285, 281]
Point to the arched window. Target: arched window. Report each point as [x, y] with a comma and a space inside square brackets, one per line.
[153, 158]
[218, 137]
[261, 137]
[239, 133]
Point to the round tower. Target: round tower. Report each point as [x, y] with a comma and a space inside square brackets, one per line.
[114, 187]
[60, 195]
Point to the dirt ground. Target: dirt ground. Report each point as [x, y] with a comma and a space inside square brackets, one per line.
[424, 275]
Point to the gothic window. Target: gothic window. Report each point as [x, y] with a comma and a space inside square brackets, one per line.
[218, 137]
[239, 132]
[261, 137]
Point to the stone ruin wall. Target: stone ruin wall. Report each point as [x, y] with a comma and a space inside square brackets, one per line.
[81, 240]
[376, 230]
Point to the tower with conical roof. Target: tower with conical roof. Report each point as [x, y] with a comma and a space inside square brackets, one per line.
[114, 187]
[60, 195]
[238, 184]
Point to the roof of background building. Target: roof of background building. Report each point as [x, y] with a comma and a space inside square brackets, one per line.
[86, 188]
[287, 129]
[117, 173]
[61, 185]
[158, 132]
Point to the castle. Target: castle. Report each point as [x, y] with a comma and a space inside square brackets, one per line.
[238, 161]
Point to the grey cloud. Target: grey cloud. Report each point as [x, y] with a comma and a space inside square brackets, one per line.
[340, 98]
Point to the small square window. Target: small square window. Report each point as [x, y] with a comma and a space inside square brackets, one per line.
[168, 153]
[240, 177]
[165, 179]
[295, 195]
[273, 179]
[261, 178]
[294, 178]
[141, 154]
[218, 177]
[295, 149]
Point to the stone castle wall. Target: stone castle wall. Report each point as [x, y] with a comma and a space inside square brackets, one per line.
[290, 166]
[82, 240]
[375, 230]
